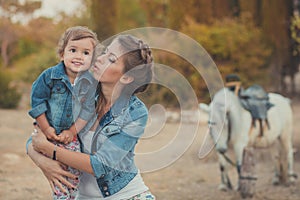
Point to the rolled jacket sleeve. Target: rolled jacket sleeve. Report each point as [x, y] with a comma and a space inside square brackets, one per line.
[40, 93]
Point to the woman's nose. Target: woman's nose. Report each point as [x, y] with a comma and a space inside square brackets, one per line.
[101, 59]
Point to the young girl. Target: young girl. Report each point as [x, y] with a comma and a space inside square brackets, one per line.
[107, 159]
[64, 94]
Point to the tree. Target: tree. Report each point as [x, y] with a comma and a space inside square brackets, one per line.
[274, 18]
[8, 37]
[104, 16]
[8, 33]
[235, 46]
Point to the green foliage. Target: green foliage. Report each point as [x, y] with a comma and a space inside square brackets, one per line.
[176, 82]
[26, 47]
[9, 96]
[235, 46]
[131, 17]
[29, 68]
[295, 33]
[160, 95]
[104, 16]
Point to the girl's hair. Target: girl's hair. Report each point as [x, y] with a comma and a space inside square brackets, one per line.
[75, 33]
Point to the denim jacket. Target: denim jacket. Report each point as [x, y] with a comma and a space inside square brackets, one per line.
[53, 94]
[113, 144]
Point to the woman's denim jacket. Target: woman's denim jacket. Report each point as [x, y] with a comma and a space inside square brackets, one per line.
[53, 94]
[113, 144]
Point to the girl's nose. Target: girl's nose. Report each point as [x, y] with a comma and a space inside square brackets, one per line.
[79, 55]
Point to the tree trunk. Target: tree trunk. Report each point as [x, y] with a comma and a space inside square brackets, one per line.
[4, 52]
[247, 176]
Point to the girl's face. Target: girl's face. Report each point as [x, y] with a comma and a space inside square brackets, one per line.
[109, 67]
[77, 55]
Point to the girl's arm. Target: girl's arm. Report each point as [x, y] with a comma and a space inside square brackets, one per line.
[80, 161]
[47, 129]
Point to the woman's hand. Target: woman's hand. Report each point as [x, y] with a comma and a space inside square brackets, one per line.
[56, 175]
[53, 170]
[39, 140]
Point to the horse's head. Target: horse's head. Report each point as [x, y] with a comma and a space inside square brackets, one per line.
[219, 125]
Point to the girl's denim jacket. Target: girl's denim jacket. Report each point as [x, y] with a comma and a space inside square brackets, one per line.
[53, 94]
[113, 144]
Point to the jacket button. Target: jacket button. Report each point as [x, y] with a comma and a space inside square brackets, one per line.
[105, 188]
[83, 100]
[106, 193]
[102, 176]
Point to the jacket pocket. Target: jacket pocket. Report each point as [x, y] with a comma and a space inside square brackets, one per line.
[111, 129]
[58, 88]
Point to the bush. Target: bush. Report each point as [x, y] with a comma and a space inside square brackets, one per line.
[9, 96]
[236, 46]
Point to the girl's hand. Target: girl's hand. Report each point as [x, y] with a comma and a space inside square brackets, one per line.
[66, 137]
[51, 134]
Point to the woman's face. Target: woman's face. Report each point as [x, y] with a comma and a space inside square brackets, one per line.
[109, 66]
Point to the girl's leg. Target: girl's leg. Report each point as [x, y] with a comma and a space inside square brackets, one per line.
[143, 196]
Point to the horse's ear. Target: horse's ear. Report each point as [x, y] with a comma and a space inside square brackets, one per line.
[204, 107]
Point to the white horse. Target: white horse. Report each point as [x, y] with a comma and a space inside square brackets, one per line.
[230, 124]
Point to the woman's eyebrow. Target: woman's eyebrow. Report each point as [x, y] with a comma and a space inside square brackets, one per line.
[107, 50]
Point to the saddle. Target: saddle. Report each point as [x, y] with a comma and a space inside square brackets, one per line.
[256, 100]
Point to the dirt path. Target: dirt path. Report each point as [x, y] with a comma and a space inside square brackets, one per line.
[187, 178]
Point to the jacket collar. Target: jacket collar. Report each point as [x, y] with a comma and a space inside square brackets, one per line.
[121, 104]
[59, 72]
[87, 76]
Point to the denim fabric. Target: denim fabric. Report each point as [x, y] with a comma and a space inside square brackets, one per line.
[113, 144]
[53, 94]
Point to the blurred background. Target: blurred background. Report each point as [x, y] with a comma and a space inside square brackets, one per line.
[259, 40]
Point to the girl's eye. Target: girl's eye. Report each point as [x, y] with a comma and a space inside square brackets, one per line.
[112, 58]
[86, 53]
[73, 50]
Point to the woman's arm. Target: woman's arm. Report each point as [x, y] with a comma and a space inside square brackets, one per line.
[80, 161]
[52, 170]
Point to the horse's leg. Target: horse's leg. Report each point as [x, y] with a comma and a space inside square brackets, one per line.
[238, 149]
[225, 181]
[277, 167]
[287, 157]
[275, 154]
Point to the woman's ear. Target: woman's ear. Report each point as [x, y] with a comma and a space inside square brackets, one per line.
[125, 79]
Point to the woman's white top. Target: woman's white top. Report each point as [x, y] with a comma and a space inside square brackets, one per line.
[88, 187]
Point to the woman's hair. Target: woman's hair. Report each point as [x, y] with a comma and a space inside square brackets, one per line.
[138, 62]
[73, 34]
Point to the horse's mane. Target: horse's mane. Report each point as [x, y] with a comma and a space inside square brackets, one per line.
[221, 97]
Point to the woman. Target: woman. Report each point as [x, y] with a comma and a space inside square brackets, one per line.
[108, 141]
